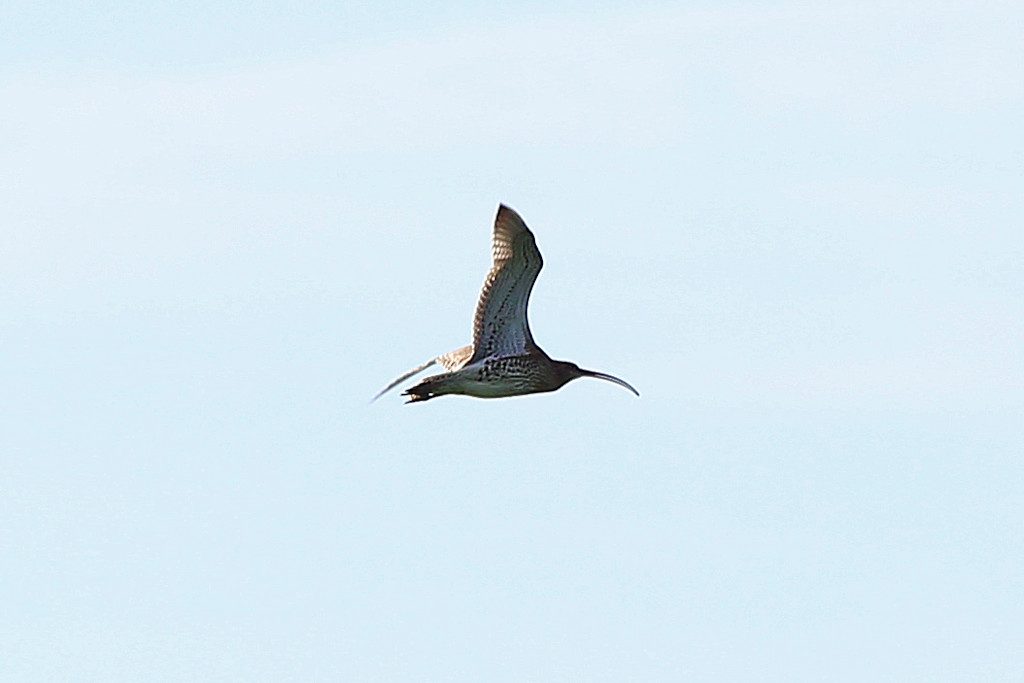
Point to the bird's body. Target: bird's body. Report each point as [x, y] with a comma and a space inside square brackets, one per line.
[503, 359]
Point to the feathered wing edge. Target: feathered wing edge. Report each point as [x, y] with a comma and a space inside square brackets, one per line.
[501, 311]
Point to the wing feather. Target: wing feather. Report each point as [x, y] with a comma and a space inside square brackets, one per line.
[455, 360]
[500, 327]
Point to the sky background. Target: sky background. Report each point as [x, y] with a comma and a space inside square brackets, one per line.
[794, 227]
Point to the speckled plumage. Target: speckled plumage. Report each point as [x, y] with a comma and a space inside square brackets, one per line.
[503, 359]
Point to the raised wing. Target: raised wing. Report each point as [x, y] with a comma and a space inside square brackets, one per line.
[500, 327]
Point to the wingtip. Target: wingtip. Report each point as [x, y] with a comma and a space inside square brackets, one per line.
[508, 219]
[505, 209]
[403, 378]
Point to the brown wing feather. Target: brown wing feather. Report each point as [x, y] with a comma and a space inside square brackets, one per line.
[455, 360]
[500, 327]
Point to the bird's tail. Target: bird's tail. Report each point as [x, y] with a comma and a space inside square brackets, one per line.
[403, 378]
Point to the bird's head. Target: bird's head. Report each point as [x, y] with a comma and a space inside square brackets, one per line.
[568, 371]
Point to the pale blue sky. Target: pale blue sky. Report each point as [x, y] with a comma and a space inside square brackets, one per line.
[795, 229]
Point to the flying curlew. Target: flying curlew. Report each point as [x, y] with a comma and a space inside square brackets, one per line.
[503, 360]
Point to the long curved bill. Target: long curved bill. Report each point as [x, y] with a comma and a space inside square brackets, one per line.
[610, 378]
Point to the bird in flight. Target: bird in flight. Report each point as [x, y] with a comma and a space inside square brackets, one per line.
[503, 359]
